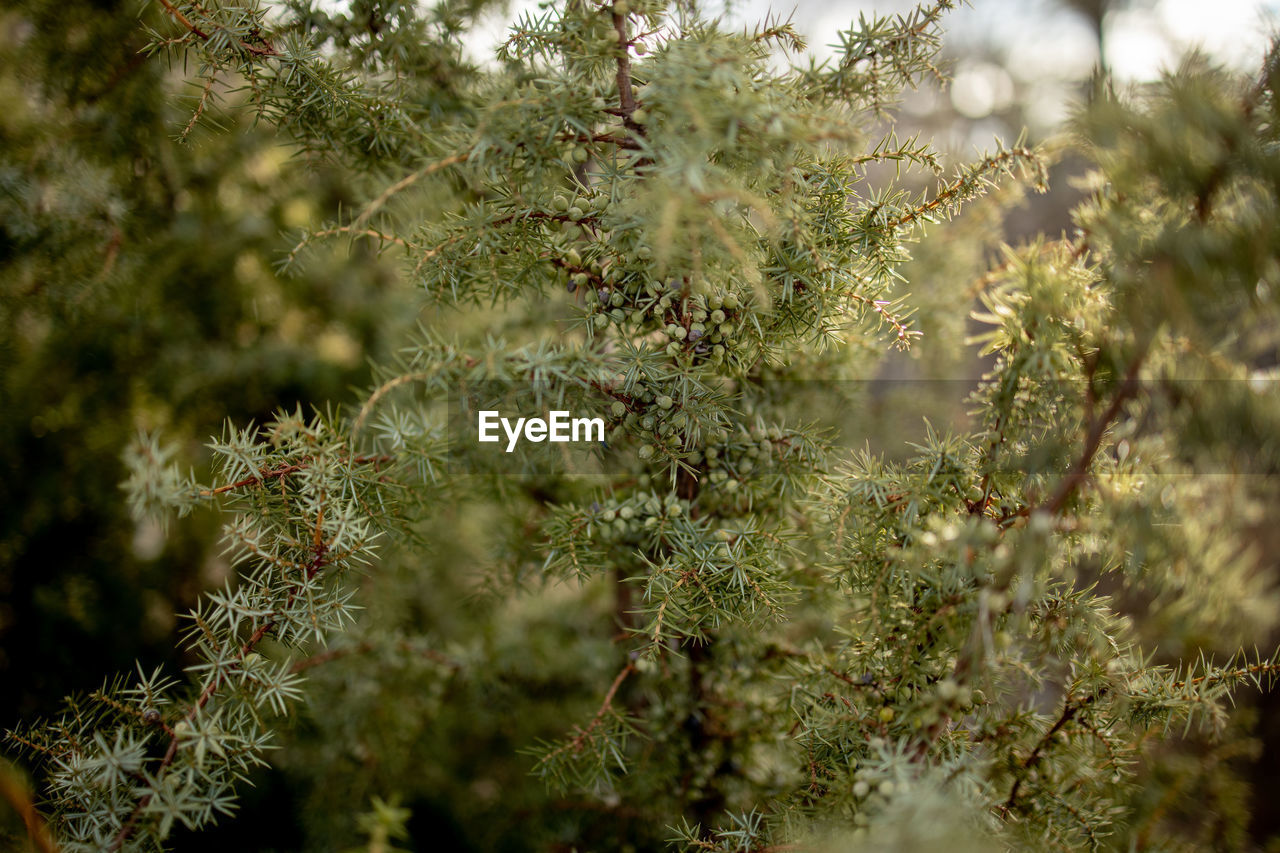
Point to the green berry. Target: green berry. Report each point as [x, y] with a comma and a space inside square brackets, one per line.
[665, 402]
[618, 408]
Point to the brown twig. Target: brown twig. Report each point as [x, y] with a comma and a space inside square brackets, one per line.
[1093, 439]
[266, 50]
[15, 791]
[1071, 707]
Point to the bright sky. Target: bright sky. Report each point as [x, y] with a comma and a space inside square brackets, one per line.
[1042, 43]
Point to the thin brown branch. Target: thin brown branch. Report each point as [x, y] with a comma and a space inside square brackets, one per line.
[1128, 388]
[957, 187]
[266, 49]
[200, 107]
[576, 743]
[283, 471]
[1071, 707]
[14, 790]
[403, 184]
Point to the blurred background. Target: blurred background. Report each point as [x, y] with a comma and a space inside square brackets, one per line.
[138, 290]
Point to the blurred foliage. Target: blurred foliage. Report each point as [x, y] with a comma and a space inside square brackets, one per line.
[138, 292]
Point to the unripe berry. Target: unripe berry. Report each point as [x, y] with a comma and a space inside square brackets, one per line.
[618, 408]
[665, 402]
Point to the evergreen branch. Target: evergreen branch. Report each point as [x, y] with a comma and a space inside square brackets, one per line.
[383, 390]
[402, 185]
[200, 106]
[1093, 439]
[372, 233]
[1071, 707]
[579, 740]
[249, 645]
[284, 471]
[266, 49]
[964, 187]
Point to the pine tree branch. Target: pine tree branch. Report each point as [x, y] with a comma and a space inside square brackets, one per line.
[317, 564]
[266, 50]
[1093, 439]
[1071, 707]
[284, 471]
[402, 185]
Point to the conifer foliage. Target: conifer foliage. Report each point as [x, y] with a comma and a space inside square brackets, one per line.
[647, 216]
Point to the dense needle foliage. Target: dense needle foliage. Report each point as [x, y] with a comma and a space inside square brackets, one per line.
[999, 638]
